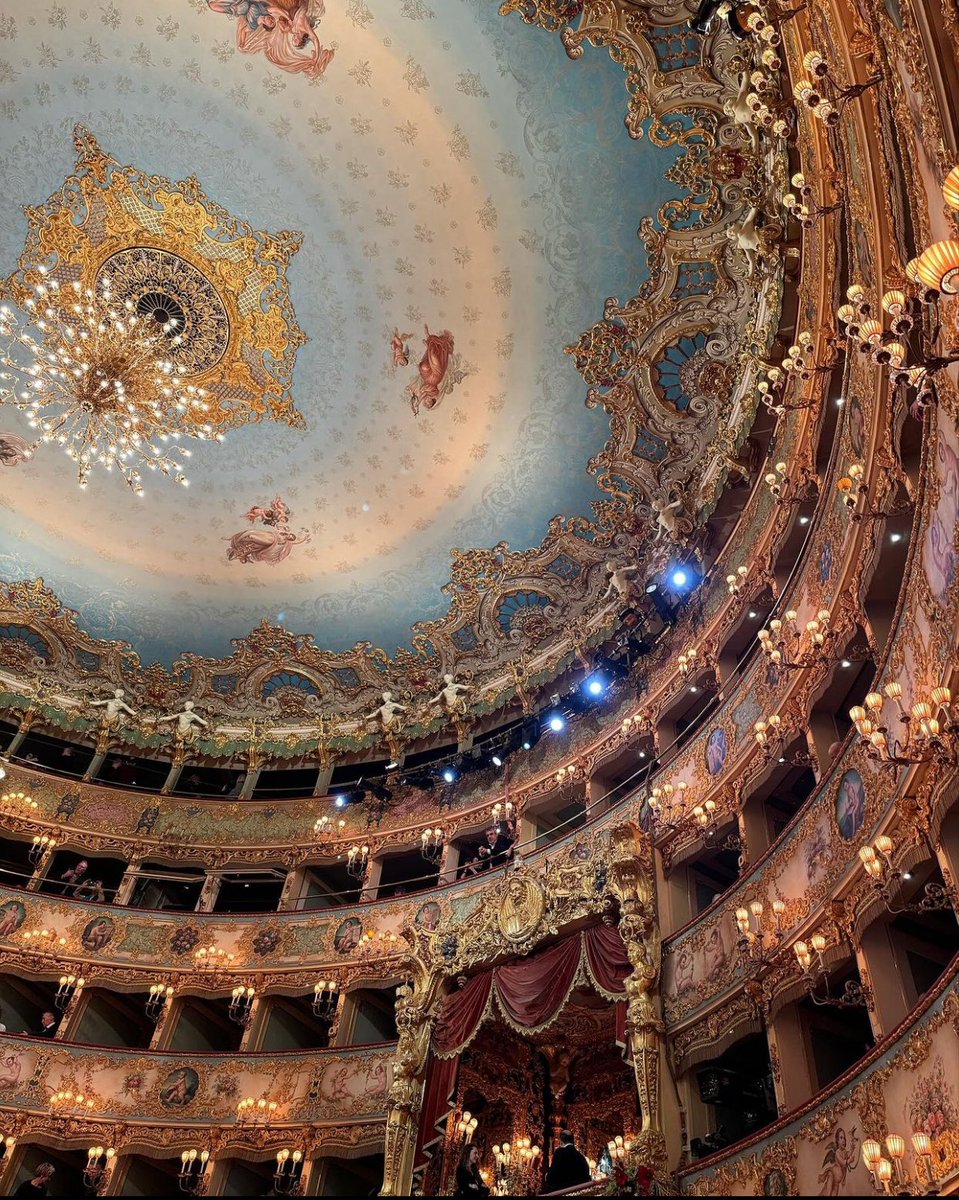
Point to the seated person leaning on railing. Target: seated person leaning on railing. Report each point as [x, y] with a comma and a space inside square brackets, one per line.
[498, 849]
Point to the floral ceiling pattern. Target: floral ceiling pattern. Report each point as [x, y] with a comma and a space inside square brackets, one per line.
[467, 193]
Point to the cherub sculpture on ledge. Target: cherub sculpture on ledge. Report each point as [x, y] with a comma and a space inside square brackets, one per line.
[187, 722]
[113, 707]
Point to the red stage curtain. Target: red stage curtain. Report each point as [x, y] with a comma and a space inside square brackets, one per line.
[462, 1012]
[606, 958]
[531, 991]
[437, 1104]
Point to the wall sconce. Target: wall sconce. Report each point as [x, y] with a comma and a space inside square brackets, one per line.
[432, 842]
[930, 728]
[687, 661]
[527, 1153]
[288, 1173]
[803, 205]
[374, 940]
[507, 810]
[809, 956]
[619, 1148]
[854, 490]
[194, 1165]
[760, 937]
[326, 995]
[211, 960]
[357, 860]
[160, 995]
[906, 349]
[877, 862]
[691, 662]
[792, 647]
[667, 811]
[43, 943]
[883, 1169]
[821, 94]
[96, 1173]
[678, 817]
[256, 1112]
[69, 987]
[325, 828]
[799, 360]
[67, 1101]
[466, 1126]
[241, 1005]
[770, 733]
[19, 804]
[736, 581]
[41, 846]
[785, 490]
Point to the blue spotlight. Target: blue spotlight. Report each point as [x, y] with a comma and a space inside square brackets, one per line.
[556, 723]
[595, 685]
[449, 775]
[340, 802]
[679, 578]
[497, 761]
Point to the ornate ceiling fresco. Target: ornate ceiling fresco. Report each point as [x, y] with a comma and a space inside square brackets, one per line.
[392, 223]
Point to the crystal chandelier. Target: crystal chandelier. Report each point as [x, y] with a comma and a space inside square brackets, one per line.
[96, 382]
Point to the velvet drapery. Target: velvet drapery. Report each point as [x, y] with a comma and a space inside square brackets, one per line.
[531, 992]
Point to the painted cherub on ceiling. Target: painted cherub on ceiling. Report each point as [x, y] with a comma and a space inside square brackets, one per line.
[283, 30]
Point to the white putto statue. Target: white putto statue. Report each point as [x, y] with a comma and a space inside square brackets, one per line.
[186, 721]
[386, 713]
[619, 581]
[452, 696]
[666, 523]
[113, 707]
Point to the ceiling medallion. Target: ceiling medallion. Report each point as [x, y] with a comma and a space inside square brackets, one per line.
[176, 256]
[180, 301]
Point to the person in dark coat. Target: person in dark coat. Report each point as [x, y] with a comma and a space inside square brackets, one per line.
[568, 1166]
[469, 1182]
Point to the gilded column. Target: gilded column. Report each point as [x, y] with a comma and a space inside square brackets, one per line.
[632, 882]
[415, 1014]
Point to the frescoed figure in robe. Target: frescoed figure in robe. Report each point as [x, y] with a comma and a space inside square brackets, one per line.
[283, 30]
[439, 371]
[271, 544]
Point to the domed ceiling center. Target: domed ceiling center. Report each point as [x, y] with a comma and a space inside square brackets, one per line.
[467, 198]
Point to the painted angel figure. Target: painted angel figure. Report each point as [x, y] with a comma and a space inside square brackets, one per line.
[451, 695]
[386, 713]
[113, 707]
[186, 721]
[399, 344]
[283, 30]
[276, 513]
[841, 1155]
